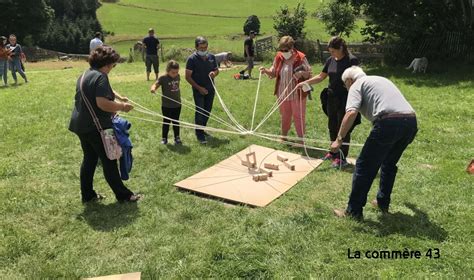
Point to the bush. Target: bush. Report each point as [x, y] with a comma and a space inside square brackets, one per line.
[309, 48]
[339, 18]
[291, 23]
[252, 23]
[178, 54]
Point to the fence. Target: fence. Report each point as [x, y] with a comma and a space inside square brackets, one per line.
[34, 54]
[264, 45]
[363, 51]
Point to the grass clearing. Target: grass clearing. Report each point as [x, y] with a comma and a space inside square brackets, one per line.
[47, 233]
[179, 22]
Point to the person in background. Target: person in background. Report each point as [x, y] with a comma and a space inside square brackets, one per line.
[224, 57]
[249, 53]
[96, 41]
[105, 103]
[201, 67]
[284, 69]
[394, 128]
[4, 57]
[15, 61]
[340, 60]
[170, 100]
[152, 44]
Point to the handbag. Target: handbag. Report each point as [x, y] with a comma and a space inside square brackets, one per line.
[111, 145]
[324, 100]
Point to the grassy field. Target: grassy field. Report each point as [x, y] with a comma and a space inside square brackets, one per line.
[178, 22]
[47, 233]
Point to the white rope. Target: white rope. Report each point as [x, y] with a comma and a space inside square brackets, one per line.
[291, 143]
[170, 119]
[256, 100]
[273, 111]
[239, 129]
[226, 110]
[150, 112]
[311, 140]
[303, 128]
[211, 116]
[275, 104]
[185, 125]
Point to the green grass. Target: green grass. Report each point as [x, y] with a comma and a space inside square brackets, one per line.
[45, 232]
[178, 22]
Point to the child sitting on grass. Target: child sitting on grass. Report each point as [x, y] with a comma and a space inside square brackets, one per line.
[170, 100]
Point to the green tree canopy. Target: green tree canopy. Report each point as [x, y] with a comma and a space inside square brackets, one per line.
[25, 18]
[291, 22]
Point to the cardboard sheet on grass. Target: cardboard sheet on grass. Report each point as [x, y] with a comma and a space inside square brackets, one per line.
[232, 181]
[128, 276]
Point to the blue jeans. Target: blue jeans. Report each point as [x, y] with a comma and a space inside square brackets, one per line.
[15, 66]
[201, 117]
[385, 145]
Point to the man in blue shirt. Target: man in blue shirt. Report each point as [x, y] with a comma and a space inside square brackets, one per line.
[201, 67]
[152, 44]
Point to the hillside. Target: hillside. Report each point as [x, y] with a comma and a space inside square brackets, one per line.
[178, 22]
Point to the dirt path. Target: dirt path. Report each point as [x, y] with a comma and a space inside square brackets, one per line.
[181, 13]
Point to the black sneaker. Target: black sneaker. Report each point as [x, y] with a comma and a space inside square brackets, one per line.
[164, 141]
[97, 198]
[177, 141]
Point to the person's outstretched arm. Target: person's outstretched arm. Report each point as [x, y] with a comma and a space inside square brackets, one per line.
[110, 106]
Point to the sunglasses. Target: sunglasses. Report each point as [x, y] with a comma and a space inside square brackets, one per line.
[285, 50]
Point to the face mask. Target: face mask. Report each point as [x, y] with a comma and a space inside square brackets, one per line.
[287, 55]
[202, 53]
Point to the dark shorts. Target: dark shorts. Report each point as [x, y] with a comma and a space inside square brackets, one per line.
[250, 62]
[152, 60]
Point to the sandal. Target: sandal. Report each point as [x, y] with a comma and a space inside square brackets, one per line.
[134, 198]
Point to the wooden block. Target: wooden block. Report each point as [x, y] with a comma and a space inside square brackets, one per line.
[289, 166]
[248, 164]
[260, 177]
[282, 158]
[218, 180]
[271, 166]
[266, 171]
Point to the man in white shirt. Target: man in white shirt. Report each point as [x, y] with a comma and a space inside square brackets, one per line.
[96, 42]
[394, 128]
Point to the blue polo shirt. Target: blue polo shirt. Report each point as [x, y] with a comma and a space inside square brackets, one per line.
[201, 68]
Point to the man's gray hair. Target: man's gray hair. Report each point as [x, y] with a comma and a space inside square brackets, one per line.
[353, 73]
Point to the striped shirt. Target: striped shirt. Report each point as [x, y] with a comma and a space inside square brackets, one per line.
[287, 82]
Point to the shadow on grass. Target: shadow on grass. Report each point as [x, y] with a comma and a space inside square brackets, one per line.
[214, 142]
[418, 225]
[108, 217]
[180, 149]
[439, 74]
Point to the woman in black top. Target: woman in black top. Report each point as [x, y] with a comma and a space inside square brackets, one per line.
[105, 102]
[335, 65]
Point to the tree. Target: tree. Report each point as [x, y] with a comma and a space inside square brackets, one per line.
[252, 24]
[410, 20]
[339, 18]
[74, 25]
[291, 23]
[25, 18]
